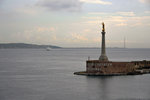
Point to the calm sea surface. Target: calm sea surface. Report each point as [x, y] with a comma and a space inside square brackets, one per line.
[37, 74]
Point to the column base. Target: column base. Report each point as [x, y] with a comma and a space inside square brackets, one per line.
[103, 58]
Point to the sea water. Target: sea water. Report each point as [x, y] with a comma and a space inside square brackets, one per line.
[37, 74]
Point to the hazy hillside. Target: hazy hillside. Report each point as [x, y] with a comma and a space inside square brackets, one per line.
[24, 45]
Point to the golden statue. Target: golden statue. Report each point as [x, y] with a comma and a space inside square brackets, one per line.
[103, 28]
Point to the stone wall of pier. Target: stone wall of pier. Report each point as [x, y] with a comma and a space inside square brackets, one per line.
[96, 66]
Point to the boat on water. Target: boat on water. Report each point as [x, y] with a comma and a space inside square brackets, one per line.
[48, 49]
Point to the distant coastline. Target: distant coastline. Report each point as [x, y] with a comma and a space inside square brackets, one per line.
[24, 45]
[37, 46]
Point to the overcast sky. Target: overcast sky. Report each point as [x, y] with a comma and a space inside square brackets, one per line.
[75, 23]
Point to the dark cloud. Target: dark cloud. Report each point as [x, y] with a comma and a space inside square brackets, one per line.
[61, 5]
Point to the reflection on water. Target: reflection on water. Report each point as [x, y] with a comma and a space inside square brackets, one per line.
[35, 74]
[119, 87]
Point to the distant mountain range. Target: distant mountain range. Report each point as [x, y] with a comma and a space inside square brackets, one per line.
[24, 45]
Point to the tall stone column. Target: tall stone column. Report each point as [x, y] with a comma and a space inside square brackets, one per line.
[103, 56]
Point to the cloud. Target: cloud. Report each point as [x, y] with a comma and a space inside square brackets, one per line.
[145, 1]
[118, 19]
[97, 2]
[122, 21]
[26, 10]
[78, 37]
[41, 35]
[147, 12]
[68, 5]
[97, 13]
[61, 5]
[45, 29]
[121, 24]
[126, 13]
